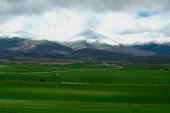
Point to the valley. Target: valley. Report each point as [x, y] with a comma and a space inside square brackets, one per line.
[88, 73]
[84, 56]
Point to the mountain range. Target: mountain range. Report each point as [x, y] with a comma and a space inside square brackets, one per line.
[86, 45]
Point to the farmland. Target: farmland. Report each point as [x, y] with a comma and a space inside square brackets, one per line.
[85, 87]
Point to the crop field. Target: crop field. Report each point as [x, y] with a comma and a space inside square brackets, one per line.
[85, 87]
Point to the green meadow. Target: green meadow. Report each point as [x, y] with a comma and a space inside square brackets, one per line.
[87, 87]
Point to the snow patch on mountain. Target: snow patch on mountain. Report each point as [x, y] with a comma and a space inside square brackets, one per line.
[92, 37]
[144, 38]
[22, 34]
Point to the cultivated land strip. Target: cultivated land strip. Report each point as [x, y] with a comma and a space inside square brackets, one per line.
[104, 84]
[90, 84]
[81, 70]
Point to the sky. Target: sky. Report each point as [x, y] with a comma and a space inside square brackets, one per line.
[60, 19]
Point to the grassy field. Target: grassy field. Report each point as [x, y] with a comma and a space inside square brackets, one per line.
[85, 88]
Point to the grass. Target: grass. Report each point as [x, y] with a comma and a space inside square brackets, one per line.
[133, 89]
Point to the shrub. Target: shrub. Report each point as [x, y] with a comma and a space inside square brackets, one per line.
[43, 80]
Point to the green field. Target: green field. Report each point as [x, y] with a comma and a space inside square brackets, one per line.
[87, 87]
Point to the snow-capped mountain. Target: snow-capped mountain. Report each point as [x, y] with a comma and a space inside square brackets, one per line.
[90, 36]
[86, 44]
[25, 44]
[92, 40]
[157, 43]
[22, 34]
[144, 38]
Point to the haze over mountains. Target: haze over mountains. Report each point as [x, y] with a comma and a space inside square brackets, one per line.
[86, 44]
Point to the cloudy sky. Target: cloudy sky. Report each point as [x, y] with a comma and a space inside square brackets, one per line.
[60, 19]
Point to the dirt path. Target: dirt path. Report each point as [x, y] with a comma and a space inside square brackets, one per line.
[114, 66]
[81, 83]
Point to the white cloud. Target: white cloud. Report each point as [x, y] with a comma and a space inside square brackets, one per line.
[53, 25]
[154, 22]
[12, 25]
[57, 25]
[62, 23]
[116, 22]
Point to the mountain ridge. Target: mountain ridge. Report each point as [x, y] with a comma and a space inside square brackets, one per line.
[86, 43]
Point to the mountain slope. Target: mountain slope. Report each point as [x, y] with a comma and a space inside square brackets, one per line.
[158, 49]
[89, 53]
[49, 47]
[17, 44]
[22, 47]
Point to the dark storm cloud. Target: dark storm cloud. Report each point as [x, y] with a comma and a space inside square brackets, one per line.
[114, 5]
[19, 7]
[12, 8]
[132, 31]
